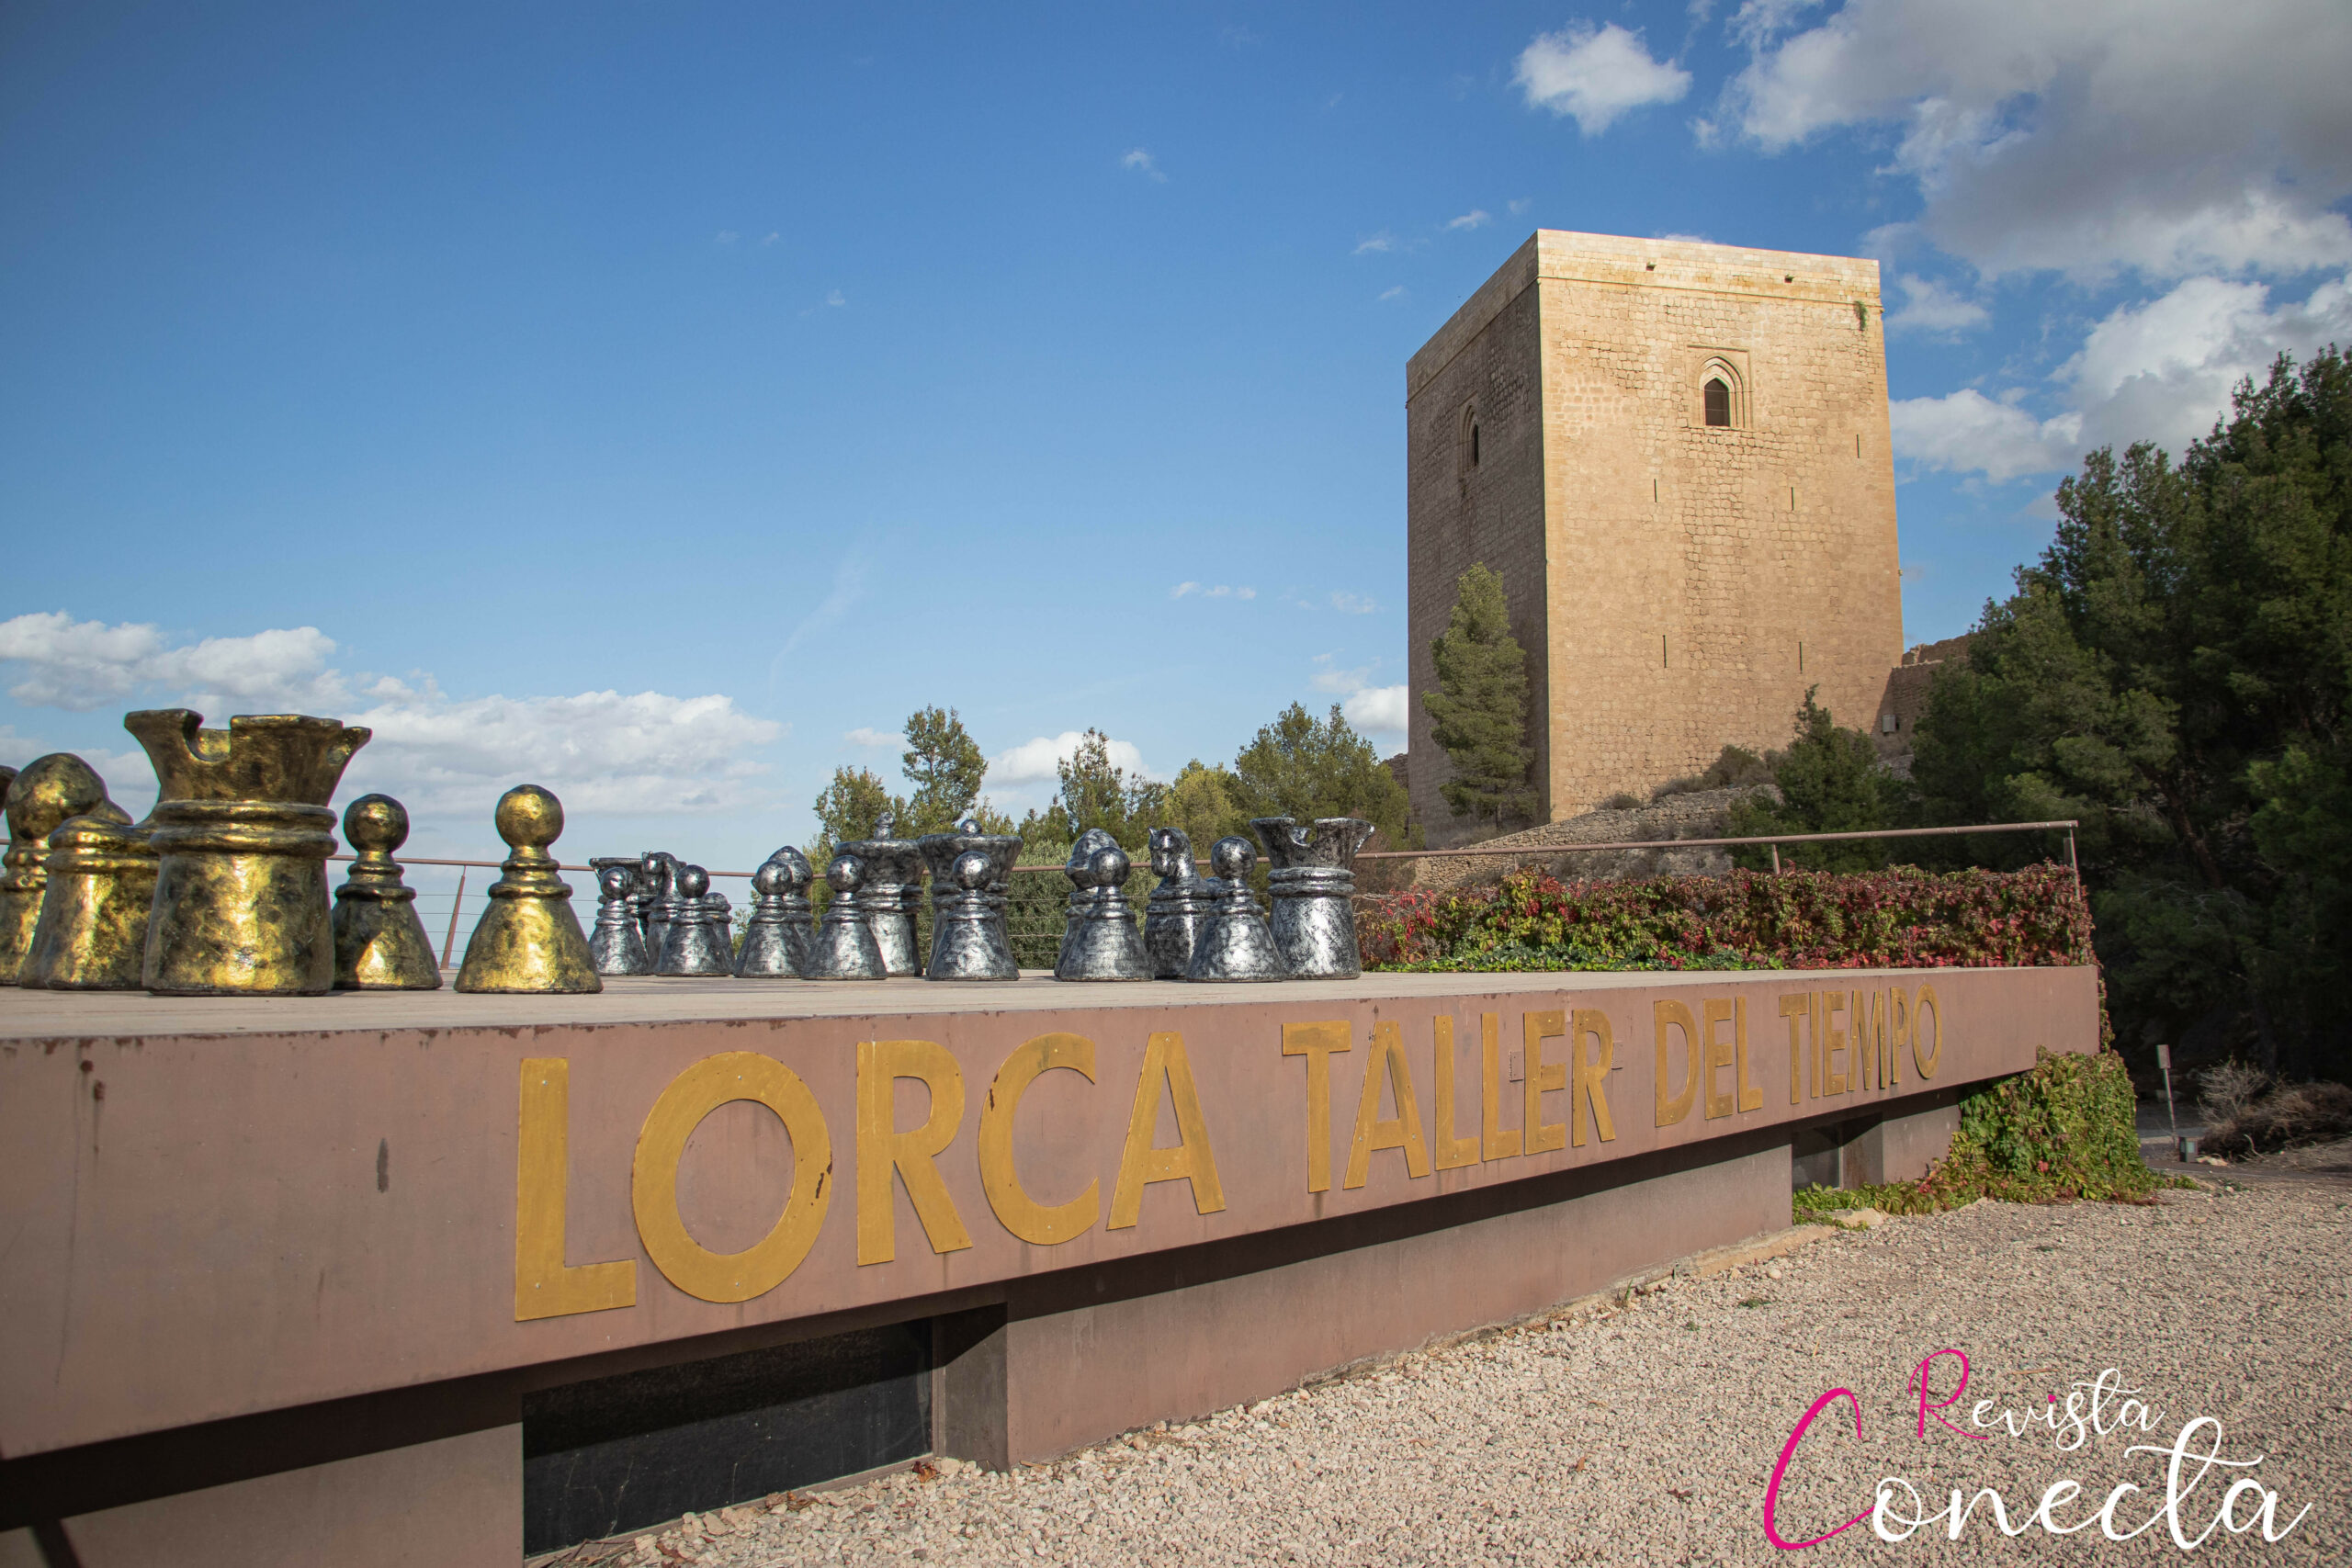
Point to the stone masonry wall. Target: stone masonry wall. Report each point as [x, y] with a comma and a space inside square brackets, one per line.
[1693, 580]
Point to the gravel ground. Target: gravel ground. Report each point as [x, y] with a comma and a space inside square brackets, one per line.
[1644, 1430]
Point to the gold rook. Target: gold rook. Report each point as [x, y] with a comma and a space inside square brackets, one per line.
[528, 940]
[243, 832]
[50, 792]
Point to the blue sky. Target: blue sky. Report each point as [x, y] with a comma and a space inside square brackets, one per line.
[660, 403]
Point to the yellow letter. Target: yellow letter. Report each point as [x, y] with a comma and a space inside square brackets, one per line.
[653, 1181]
[1402, 1131]
[1543, 1136]
[1795, 1007]
[1926, 1008]
[1316, 1042]
[1452, 1153]
[1833, 1079]
[1501, 1142]
[1673, 1108]
[544, 1285]
[1191, 1160]
[1719, 1053]
[881, 1148]
[1751, 1096]
[1592, 1076]
[1898, 1032]
[1022, 1214]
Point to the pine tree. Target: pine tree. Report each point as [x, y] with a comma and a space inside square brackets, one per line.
[1480, 705]
[1303, 767]
[945, 766]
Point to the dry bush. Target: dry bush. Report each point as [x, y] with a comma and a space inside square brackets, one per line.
[2229, 1090]
[2289, 1116]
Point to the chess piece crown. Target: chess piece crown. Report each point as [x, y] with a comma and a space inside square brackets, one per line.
[243, 832]
[380, 941]
[528, 940]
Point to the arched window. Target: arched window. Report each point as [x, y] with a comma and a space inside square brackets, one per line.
[1718, 397]
[1467, 441]
[1474, 443]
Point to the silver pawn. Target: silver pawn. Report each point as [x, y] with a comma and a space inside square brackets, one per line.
[845, 947]
[1099, 941]
[722, 920]
[657, 876]
[1236, 944]
[968, 939]
[690, 947]
[618, 947]
[1179, 906]
[777, 941]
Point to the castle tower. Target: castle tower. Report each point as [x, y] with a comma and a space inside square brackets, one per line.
[1676, 455]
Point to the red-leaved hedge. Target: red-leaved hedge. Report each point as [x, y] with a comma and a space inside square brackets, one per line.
[1795, 919]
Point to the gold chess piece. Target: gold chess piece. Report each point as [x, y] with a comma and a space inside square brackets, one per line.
[529, 940]
[243, 832]
[50, 792]
[380, 942]
[93, 931]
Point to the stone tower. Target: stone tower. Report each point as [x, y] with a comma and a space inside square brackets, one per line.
[1676, 455]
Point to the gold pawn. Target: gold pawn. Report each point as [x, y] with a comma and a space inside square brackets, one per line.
[380, 942]
[51, 791]
[529, 940]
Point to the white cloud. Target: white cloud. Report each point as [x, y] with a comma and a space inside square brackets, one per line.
[1381, 711]
[864, 736]
[80, 665]
[1329, 678]
[1222, 590]
[1396, 292]
[1034, 761]
[1478, 218]
[849, 587]
[835, 299]
[771, 238]
[1931, 308]
[2159, 371]
[1352, 604]
[725, 237]
[1522, 205]
[1596, 74]
[599, 751]
[1141, 162]
[2170, 136]
[1377, 245]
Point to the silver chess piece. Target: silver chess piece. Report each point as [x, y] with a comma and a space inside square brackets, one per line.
[1313, 880]
[776, 942]
[959, 951]
[1235, 944]
[722, 920]
[845, 946]
[967, 937]
[890, 895]
[1099, 941]
[1179, 906]
[617, 946]
[657, 875]
[690, 946]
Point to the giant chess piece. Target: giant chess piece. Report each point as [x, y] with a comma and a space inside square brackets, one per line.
[1099, 941]
[380, 942]
[528, 940]
[967, 936]
[1236, 944]
[845, 946]
[1313, 880]
[658, 874]
[781, 934]
[968, 940]
[721, 910]
[50, 792]
[244, 832]
[1178, 908]
[617, 946]
[890, 895]
[1083, 893]
[693, 946]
